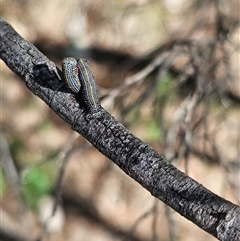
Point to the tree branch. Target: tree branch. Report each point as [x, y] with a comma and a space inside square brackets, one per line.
[210, 212]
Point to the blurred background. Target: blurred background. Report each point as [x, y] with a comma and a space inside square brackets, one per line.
[167, 70]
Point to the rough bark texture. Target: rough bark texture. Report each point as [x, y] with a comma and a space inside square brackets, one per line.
[210, 212]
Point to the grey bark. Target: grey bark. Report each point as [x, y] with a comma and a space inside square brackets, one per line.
[210, 212]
